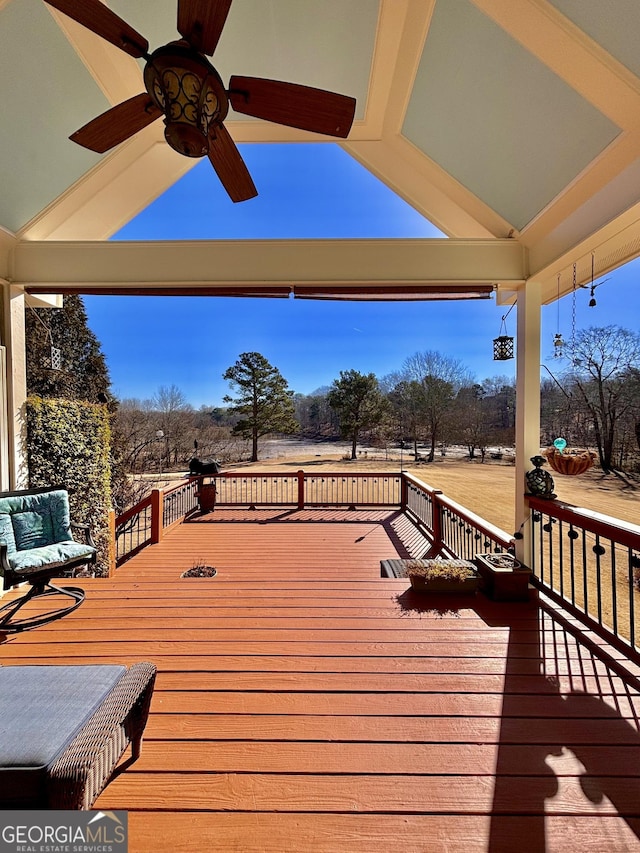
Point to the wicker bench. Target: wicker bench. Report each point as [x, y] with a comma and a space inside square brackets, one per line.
[63, 730]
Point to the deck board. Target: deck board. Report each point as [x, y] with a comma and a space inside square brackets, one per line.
[303, 703]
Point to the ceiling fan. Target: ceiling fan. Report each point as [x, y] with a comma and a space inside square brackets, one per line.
[183, 85]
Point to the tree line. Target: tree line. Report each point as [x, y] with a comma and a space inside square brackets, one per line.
[591, 397]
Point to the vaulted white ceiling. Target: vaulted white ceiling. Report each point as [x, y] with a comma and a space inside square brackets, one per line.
[501, 121]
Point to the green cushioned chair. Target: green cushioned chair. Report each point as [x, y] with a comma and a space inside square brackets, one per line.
[36, 545]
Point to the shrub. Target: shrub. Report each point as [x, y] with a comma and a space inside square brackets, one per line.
[68, 445]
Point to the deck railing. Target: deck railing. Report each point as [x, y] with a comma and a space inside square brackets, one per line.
[591, 563]
[306, 490]
[143, 523]
[179, 501]
[133, 530]
[454, 530]
[254, 490]
[352, 490]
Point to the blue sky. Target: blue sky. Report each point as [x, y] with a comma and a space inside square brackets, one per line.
[305, 191]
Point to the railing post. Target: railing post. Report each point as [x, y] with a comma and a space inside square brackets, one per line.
[300, 489]
[157, 501]
[404, 491]
[436, 513]
[111, 548]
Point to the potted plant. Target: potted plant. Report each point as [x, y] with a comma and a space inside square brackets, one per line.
[458, 576]
[200, 569]
[502, 577]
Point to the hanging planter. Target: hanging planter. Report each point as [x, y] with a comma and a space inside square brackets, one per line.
[570, 461]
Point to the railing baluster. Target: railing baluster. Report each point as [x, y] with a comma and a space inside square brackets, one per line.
[632, 587]
[606, 592]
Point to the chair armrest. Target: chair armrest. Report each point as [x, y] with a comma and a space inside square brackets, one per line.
[86, 530]
[5, 568]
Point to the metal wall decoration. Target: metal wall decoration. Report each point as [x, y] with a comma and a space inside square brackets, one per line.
[558, 341]
[56, 358]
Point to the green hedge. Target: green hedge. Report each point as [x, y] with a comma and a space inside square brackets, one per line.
[68, 445]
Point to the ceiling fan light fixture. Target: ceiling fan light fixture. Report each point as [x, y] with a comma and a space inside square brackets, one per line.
[190, 93]
[183, 85]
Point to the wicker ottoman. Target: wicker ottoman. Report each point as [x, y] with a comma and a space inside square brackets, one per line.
[63, 729]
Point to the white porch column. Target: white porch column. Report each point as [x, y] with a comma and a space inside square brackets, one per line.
[528, 304]
[13, 394]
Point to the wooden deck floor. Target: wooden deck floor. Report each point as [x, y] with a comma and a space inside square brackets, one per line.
[305, 704]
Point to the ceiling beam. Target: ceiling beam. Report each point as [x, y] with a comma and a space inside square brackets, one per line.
[144, 266]
[117, 74]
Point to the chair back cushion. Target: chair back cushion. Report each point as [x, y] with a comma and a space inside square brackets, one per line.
[33, 521]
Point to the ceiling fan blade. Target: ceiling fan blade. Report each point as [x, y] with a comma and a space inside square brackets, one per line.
[294, 105]
[229, 165]
[117, 124]
[95, 16]
[200, 22]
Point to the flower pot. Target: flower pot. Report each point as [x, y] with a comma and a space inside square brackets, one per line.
[200, 572]
[502, 577]
[570, 461]
[206, 495]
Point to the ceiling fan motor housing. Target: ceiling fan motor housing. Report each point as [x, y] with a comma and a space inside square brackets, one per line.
[190, 93]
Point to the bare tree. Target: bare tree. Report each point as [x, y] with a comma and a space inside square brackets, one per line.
[174, 421]
[440, 377]
[407, 403]
[602, 359]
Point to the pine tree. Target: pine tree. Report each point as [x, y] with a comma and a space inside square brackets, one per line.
[264, 402]
[358, 402]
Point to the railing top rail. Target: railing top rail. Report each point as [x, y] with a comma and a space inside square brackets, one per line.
[355, 475]
[624, 532]
[416, 481]
[496, 533]
[133, 510]
[180, 485]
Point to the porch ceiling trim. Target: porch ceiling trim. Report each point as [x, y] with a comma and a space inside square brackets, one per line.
[140, 266]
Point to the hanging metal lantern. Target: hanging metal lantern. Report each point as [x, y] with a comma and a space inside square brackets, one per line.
[503, 348]
[503, 344]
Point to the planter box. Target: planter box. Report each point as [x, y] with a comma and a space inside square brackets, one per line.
[467, 586]
[502, 577]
